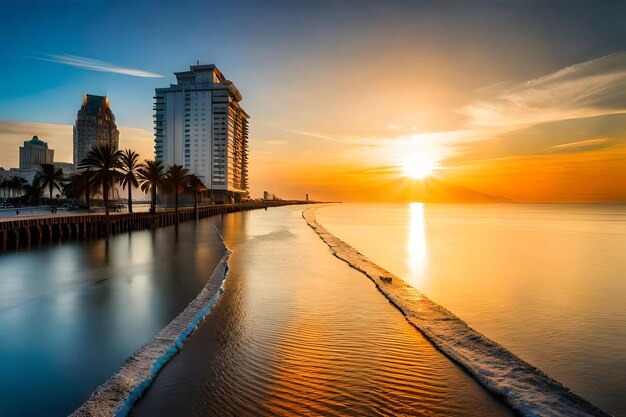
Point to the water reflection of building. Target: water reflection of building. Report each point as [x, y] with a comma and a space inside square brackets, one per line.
[34, 153]
[95, 125]
[200, 125]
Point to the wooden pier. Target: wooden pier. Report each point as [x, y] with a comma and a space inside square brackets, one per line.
[18, 232]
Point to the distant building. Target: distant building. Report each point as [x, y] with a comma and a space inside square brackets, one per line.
[67, 167]
[95, 124]
[200, 125]
[34, 153]
[269, 196]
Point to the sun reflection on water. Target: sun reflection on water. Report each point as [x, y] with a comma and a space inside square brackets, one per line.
[416, 244]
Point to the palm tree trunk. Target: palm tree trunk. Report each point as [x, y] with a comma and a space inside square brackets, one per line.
[105, 189]
[176, 204]
[107, 225]
[50, 189]
[195, 204]
[130, 199]
[87, 192]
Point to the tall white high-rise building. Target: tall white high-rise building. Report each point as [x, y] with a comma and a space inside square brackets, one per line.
[200, 125]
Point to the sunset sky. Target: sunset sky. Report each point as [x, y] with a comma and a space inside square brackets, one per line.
[520, 99]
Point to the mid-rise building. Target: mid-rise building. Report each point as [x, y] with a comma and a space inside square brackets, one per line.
[34, 153]
[200, 125]
[95, 125]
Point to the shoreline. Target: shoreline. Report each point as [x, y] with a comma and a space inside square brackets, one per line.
[526, 389]
[297, 332]
[117, 395]
[25, 232]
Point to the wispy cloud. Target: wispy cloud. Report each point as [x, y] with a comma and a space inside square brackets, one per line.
[312, 134]
[94, 65]
[586, 89]
[579, 108]
[582, 144]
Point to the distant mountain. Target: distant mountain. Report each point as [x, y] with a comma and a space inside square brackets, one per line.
[434, 190]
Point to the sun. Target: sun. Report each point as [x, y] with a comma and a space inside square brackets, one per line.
[419, 166]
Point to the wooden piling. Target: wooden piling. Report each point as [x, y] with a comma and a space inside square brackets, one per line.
[21, 231]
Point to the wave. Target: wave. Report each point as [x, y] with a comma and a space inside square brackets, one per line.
[118, 394]
[525, 388]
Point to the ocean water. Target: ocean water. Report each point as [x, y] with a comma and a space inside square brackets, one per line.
[71, 313]
[298, 332]
[546, 281]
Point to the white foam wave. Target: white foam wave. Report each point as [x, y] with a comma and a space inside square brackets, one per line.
[118, 394]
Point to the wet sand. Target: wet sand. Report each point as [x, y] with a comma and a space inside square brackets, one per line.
[298, 332]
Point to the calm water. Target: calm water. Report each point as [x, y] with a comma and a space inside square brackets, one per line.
[298, 332]
[71, 314]
[546, 281]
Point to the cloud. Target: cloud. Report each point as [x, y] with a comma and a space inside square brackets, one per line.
[13, 134]
[94, 65]
[547, 139]
[566, 111]
[582, 144]
[586, 89]
[60, 138]
[575, 110]
[139, 140]
[312, 134]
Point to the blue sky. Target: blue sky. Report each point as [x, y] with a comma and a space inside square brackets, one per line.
[255, 43]
[315, 75]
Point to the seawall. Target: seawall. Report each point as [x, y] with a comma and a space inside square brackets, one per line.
[23, 232]
[525, 388]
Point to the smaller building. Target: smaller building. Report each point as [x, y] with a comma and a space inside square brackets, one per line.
[34, 153]
[270, 196]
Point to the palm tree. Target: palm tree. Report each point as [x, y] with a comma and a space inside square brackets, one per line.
[51, 177]
[79, 184]
[14, 185]
[7, 186]
[103, 162]
[33, 192]
[195, 186]
[176, 179]
[129, 166]
[18, 184]
[151, 176]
